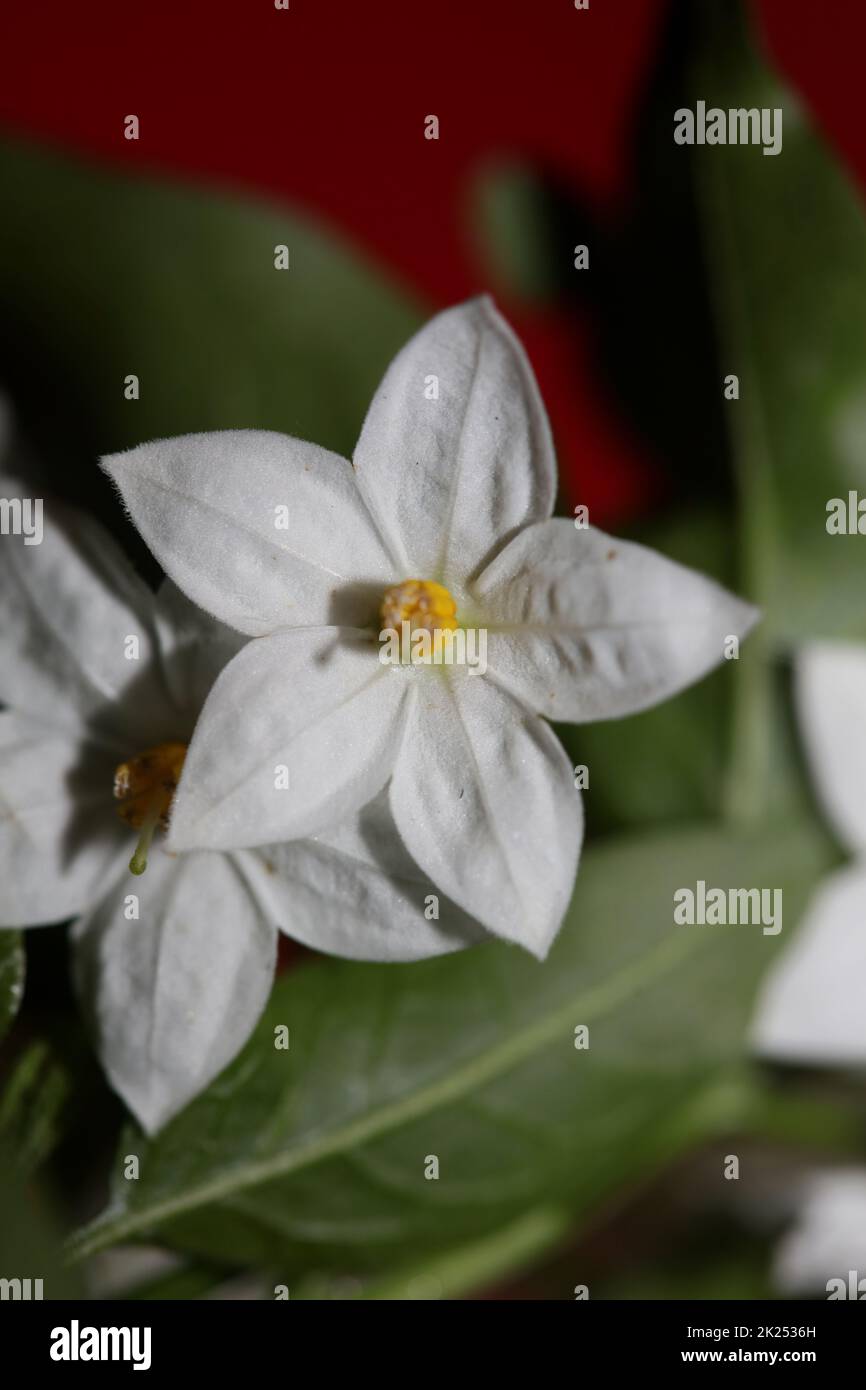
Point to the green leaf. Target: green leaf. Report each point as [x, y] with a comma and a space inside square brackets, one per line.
[512, 219]
[30, 1240]
[457, 1271]
[103, 275]
[181, 1284]
[726, 1264]
[313, 1158]
[31, 1105]
[786, 251]
[12, 968]
[787, 241]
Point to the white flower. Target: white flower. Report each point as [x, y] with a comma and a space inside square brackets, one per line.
[174, 991]
[828, 1238]
[452, 485]
[811, 1009]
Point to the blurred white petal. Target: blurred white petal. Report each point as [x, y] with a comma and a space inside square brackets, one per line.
[829, 1237]
[70, 605]
[811, 1009]
[830, 690]
[60, 840]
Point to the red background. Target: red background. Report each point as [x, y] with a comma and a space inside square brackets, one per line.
[324, 105]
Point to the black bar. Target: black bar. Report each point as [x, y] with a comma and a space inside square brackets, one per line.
[264, 1338]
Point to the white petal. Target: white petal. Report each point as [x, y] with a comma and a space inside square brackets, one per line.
[358, 893]
[483, 796]
[60, 840]
[451, 478]
[71, 603]
[829, 1238]
[312, 708]
[811, 1007]
[584, 627]
[173, 997]
[208, 506]
[830, 690]
[194, 649]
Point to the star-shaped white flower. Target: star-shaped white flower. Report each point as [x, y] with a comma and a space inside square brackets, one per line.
[451, 488]
[103, 682]
[811, 1009]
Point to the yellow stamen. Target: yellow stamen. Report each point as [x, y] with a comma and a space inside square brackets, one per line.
[145, 786]
[420, 602]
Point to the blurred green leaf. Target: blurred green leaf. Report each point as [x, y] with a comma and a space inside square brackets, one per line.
[31, 1105]
[103, 275]
[313, 1158]
[726, 1265]
[786, 253]
[30, 1240]
[511, 221]
[12, 968]
[787, 241]
[186, 1282]
[455, 1272]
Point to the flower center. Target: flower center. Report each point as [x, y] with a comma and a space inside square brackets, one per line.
[145, 786]
[421, 603]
